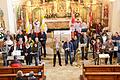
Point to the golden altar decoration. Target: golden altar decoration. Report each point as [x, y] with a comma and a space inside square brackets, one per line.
[55, 9]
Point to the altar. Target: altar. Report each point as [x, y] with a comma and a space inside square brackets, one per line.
[58, 23]
[58, 13]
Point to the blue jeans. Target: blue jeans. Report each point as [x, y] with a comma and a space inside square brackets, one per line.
[78, 37]
[118, 53]
[68, 53]
[118, 57]
[36, 57]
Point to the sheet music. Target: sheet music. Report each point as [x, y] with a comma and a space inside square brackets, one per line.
[83, 45]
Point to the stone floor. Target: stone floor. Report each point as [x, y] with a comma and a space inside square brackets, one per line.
[60, 72]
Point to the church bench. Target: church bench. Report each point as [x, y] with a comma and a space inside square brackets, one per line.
[6, 70]
[13, 76]
[101, 68]
[27, 69]
[101, 72]
[10, 72]
[102, 75]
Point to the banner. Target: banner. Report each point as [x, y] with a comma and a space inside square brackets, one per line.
[44, 26]
[90, 15]
[27, 24]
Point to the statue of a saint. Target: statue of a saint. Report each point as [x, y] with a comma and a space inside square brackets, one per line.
[36, 25]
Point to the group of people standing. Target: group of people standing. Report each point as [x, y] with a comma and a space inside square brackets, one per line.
[70, 47]
[98, 41]
[30, 45]
[96, 44]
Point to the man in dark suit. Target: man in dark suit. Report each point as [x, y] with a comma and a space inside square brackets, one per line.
[68, 48]
[42, 38]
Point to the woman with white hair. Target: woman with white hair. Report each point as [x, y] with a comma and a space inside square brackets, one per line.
[19, 75]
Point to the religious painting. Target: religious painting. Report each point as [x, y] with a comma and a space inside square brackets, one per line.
[61, 8]
[36, 13]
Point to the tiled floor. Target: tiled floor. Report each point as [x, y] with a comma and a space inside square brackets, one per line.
[61, 72]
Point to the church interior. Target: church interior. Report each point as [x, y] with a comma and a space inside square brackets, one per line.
[59, 39]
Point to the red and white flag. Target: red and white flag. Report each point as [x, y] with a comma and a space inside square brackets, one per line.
[73, 18]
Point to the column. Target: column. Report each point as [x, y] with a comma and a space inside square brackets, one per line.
[67, 6]
[110, 15]
[11, 17]
[79, 1]
[114, 17]
[3, 6]
[7, 7]
[43, 1]
[55, 6]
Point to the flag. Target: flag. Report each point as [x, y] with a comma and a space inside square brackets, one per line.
[44, 26]
[43, 23]
[27, 23]
[73, 18]
[90, 15]
[21, 18]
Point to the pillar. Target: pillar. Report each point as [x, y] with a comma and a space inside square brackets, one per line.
[7, 7]
[114, 16]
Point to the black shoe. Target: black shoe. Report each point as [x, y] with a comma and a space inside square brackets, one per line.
[44, 56]
[53, 65]
[86, 58]
[60, 65]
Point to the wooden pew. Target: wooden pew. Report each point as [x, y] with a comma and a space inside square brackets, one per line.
[102, 75]
[98, 68]
[9, 73]
[27, 69]
[101, 72]
[13, 77]
[6, 70]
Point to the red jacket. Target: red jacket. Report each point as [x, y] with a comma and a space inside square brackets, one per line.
[15, 63]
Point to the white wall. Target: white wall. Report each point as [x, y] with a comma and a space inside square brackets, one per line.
[115, 17]
[11, 16]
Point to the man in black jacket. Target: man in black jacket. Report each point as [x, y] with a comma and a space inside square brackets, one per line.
[42, 38]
